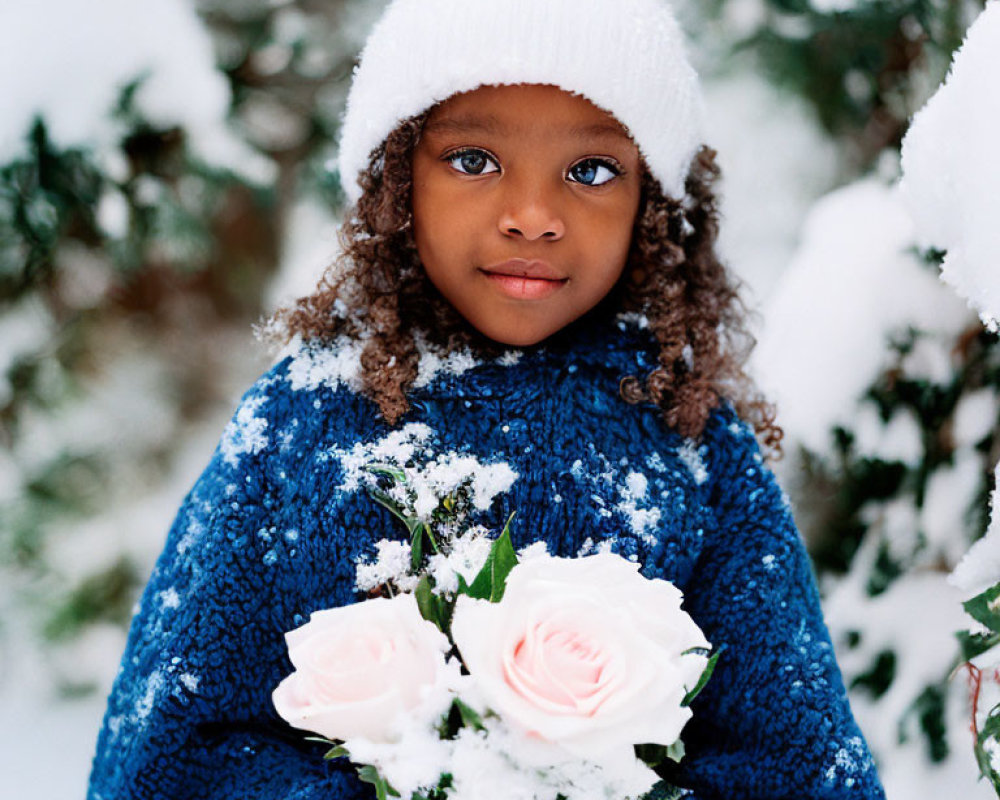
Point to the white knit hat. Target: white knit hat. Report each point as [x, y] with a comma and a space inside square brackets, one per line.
[625, 56]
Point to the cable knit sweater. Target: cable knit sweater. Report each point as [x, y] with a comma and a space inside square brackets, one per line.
[273, 528]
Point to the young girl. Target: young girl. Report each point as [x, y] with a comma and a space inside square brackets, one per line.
[528, 278]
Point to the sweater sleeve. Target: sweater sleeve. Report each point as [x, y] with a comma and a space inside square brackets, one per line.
[190, 713]
[774, 720]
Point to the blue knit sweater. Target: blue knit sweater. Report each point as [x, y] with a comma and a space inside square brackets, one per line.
[268, 534]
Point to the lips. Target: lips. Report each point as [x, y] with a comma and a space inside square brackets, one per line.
[523, 268]
[525, 280]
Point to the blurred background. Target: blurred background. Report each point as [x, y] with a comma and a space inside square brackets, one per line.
[167, 177]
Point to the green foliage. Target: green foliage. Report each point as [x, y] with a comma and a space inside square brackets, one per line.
[336, 749]
[879, 676]
[858, 491]
[929, 710]
[470, 717]
[183, 235]
[985, 609]
[986, 742]
[434, 607]
[491, 581]
[105, 596]
[705, 675]
[44, 197]
[368, 774]
[857, 66]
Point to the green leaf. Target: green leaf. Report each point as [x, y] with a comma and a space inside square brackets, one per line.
[397, 510]
[417, 547]
[974, 644]
[431, 539]
[368, 774]
[470, 717]
[395, 473]
[705, 675]
[990, 731]
[337, 750]
[491, 581]
[426, 601]
[653, 755]
[985, 608]
[664, 791]
[676, 751]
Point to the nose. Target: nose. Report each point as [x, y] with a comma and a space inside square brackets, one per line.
[531, 211]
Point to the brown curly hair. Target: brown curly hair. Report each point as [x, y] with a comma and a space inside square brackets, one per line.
[378, 291]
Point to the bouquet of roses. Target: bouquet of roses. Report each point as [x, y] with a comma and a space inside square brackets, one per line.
[475, 673]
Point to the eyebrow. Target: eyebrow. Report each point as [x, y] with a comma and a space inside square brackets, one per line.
[600, 129]
[490, 124]
[475, 124]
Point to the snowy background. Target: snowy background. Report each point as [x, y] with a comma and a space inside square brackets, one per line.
[181, 185]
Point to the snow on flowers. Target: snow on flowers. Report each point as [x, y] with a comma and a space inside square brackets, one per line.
[551, 676]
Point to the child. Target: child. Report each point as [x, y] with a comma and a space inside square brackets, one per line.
[528, 278]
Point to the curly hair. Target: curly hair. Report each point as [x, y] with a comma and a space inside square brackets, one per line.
[379, 292]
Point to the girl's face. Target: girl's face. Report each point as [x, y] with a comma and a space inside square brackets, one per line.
[524, 200]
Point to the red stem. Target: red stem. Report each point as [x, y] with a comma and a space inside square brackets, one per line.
[976, 679]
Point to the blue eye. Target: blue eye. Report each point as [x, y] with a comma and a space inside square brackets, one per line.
[473, 162]
[593, 172]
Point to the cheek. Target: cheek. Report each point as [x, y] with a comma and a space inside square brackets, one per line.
[608, 237]
[440, 222]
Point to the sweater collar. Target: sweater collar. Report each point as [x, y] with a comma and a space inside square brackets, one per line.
[613, 344]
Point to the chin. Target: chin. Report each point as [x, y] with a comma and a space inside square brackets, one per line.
[513, 336]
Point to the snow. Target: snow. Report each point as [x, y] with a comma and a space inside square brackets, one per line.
[432, 362]
[312, 367]
[310, 245]
[430, 475]
[898, 439]
[980, 567]
[925, 600]
[642, 521]
[853, 281]
[775, 162]
[391, 565]
[951, 169]
[397, 448]
[124, 407]
[102, 48]
[466, 557]
[245, 434]
[483, 761]
[976, 415]
[951, 495]
[691, 458]
[169, 598]
[637, 484]
[47, 741]
[338, 364]
[144, 705]
[23, 327]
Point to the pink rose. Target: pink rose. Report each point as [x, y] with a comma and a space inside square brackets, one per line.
[584, 653]
[357, 668]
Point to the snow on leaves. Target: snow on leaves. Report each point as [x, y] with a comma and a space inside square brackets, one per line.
[430, 475]
[434, 487]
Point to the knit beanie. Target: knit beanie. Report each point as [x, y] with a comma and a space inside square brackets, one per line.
[626, 56]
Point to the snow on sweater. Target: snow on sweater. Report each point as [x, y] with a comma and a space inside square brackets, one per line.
[273, 528]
